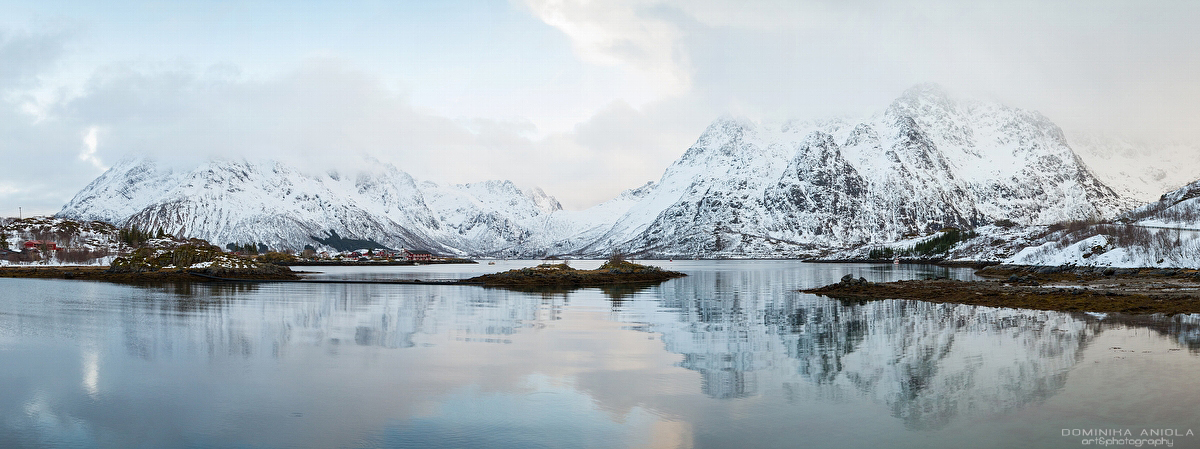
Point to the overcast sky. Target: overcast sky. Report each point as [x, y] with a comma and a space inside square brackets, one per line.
[582, 98]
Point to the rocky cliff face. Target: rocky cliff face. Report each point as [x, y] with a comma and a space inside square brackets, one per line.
[744, 189]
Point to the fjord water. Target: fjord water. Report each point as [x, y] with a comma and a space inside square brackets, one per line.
[730, 356]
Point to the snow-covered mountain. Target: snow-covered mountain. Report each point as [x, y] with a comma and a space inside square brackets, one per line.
[227, 201]
[926, 162]
[744, 189]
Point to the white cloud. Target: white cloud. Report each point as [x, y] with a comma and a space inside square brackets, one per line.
[326, 114]
[1109, 63]
[88, 154]
[654, 73]
[25, 56]
[621, 34]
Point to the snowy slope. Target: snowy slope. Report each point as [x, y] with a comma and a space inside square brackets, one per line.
[1163, 234]
[123, 190]
[487, 216]
[1123, 248]
[1179, 209]
[78, 243]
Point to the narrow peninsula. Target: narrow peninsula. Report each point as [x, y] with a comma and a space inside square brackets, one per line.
[163, 260]
[1071, 289]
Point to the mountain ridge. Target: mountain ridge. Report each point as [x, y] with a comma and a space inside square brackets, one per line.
[743, 189]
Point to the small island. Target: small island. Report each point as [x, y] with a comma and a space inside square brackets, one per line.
[614, 271]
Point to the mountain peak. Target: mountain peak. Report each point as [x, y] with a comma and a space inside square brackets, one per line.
[926, 91]
[544, 202]
[924, 100]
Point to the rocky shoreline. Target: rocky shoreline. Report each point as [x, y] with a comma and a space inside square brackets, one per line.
[1072, 289]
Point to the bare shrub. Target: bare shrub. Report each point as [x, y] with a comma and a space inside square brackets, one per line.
[65, 237]
[75, 256]
[616, 257]
[1177, 212]
[1188, 214]
[1042, 252]
[42, 233]
[1142, 213]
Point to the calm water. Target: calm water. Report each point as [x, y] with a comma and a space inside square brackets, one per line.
[728, 357]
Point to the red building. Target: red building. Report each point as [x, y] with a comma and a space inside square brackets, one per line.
[417, 255]
[37, 244]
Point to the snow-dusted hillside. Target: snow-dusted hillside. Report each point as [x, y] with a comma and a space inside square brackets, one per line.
[744, 189]
[77, 243]
[1179, 209]
[1123, 246]
[988, 243]
[1164, 234]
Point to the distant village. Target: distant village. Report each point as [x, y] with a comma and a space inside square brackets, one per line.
[29, 251]
[411, 255]
[361, 255]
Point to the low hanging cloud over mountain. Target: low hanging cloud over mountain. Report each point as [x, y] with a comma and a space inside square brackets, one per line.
[582, 98]
[1107, 60]
[323, 115]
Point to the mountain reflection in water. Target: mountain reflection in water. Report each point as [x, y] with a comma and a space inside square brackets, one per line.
[927, 362]
[321, 365]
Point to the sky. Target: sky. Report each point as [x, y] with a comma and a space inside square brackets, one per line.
[582, 98]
